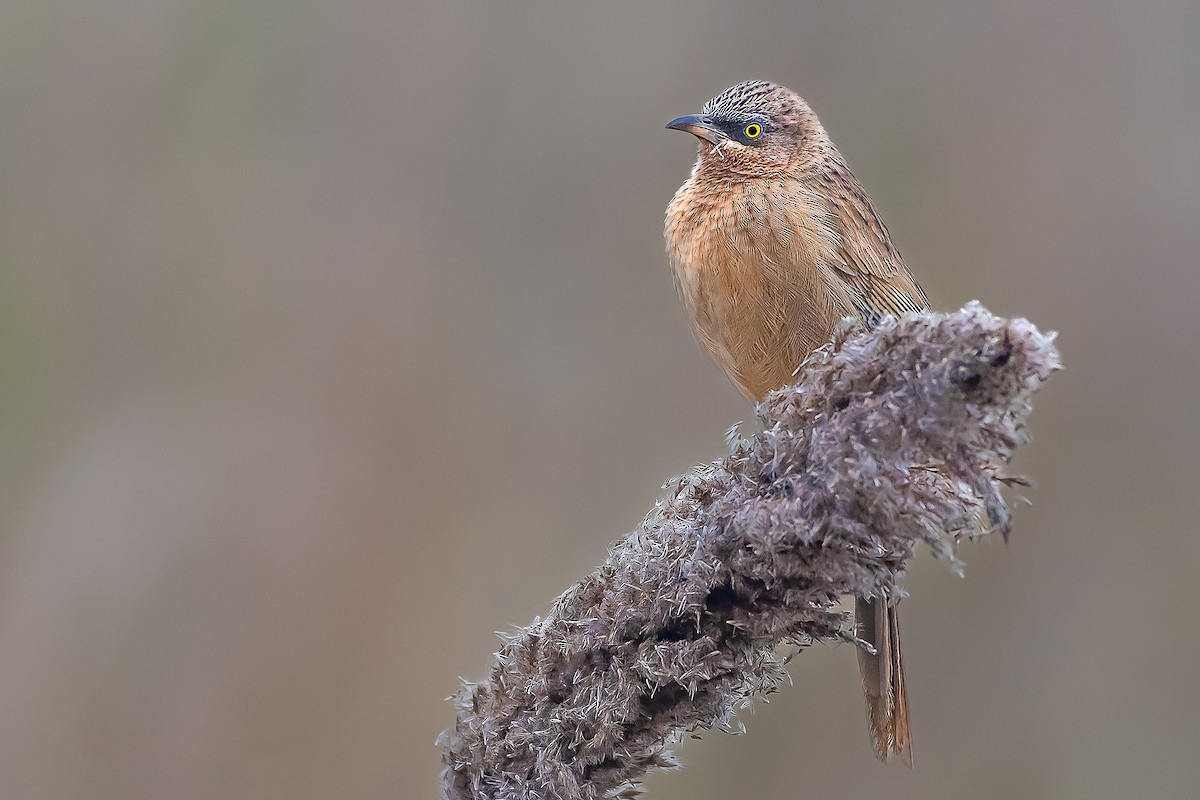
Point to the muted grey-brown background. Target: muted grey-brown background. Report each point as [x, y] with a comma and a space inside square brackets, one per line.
[336, 336]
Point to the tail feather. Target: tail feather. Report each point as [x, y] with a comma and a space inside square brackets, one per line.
[883, 678]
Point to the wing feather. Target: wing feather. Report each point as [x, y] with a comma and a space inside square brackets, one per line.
[866, 262]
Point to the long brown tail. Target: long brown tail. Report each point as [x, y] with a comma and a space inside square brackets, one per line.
[883, 678]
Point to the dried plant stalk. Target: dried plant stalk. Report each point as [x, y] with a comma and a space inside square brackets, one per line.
[893, 436]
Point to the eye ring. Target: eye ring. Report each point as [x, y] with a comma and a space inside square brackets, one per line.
[753, 130]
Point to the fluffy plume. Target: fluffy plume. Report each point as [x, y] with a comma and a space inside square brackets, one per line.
[894, 436]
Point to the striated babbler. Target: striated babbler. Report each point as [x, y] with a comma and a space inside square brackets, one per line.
[773, 242]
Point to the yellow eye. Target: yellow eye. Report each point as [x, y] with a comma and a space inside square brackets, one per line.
[753, 130]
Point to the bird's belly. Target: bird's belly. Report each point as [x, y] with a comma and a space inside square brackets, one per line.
[748, 266]
[757, 321]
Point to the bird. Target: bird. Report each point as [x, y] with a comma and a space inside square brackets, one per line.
[772, 242]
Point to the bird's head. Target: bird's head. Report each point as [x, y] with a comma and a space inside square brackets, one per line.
[754, 128]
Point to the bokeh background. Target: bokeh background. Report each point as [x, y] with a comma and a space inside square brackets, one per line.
[336, 336]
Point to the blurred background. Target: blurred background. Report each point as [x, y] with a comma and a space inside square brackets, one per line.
[336, 336]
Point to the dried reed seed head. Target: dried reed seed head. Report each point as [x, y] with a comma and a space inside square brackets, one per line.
[892, 437]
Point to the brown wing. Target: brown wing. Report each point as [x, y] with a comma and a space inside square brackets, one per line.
[883, 678]
[868, 265]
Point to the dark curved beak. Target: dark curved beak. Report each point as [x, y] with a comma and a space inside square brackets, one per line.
[699, 125]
